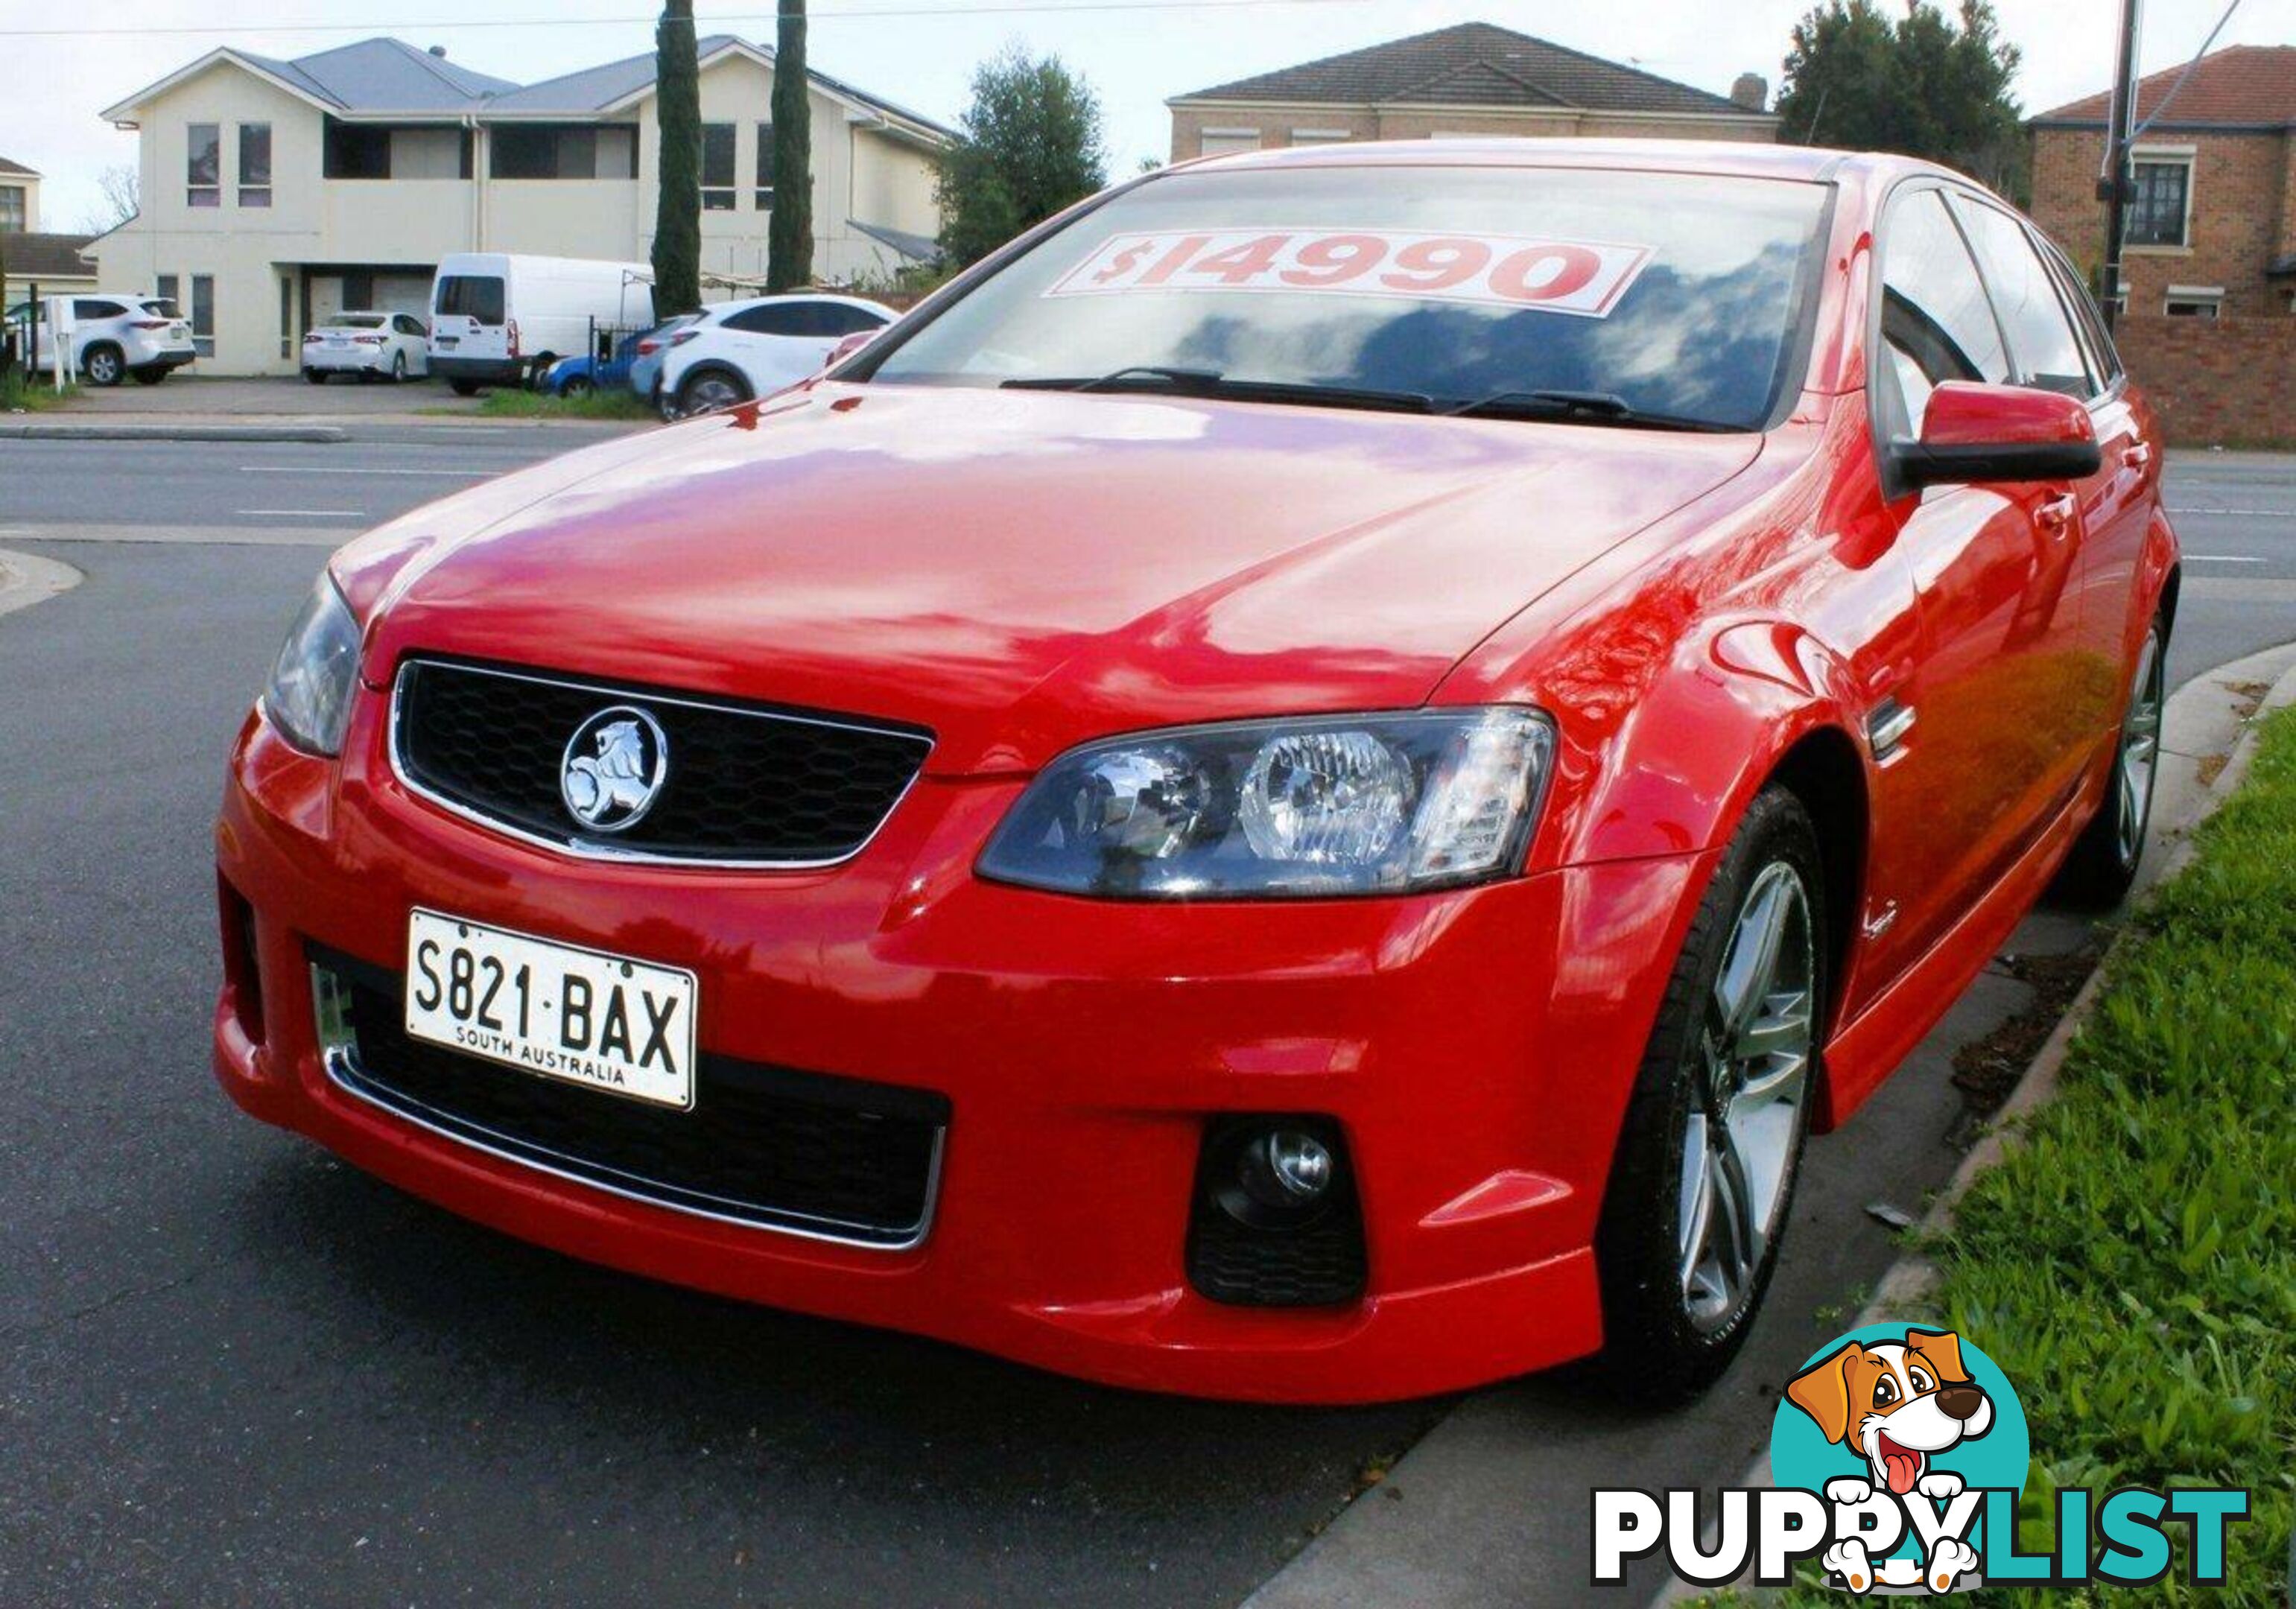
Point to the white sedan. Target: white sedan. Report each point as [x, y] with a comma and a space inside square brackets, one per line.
[740, 349]
[394, 345]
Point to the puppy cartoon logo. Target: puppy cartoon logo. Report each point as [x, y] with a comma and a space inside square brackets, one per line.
[1897, 1405]
[1898, 1463]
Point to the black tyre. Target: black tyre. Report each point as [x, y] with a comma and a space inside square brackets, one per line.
[464, 388]
[398, 369]
[2101, 867]
[1704, 1178]
[149, 376]
[706, 390]
[103, 366]
[577, 385]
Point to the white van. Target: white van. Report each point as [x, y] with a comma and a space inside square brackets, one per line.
[495, 316]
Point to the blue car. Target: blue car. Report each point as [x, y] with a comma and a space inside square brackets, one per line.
[645, 371]
[577, 376]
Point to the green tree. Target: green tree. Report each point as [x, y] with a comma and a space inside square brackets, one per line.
[1031, 144]
[677, 203]
[788, 232]
[1923, 83]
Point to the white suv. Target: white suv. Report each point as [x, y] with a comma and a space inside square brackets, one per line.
[114, 336]
[740, 349]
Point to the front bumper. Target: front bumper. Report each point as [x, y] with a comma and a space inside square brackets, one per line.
[1476, 1047]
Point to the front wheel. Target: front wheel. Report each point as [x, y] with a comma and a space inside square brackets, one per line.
[2102, 867]
[575, 385]
[1711, 1147]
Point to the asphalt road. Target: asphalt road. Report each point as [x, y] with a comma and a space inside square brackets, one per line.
[233, 1371]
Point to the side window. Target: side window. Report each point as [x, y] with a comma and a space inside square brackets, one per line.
[85, 310]
[773, 319]
[1936, 323]
[2041, 339]
[2104, 358]
[841, 321]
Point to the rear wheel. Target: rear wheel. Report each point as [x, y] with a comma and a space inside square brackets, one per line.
[2101, 867]
[398, 368]
[103, 366]
[1711, 1147]
[464, 388]
[710, 389]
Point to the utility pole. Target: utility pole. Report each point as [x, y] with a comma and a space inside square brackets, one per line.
[2113, 186]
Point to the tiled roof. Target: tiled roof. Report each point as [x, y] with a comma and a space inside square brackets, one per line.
[594, 88]
[2242, 85]
[45, 256]
[8, 167]
[1473, 64]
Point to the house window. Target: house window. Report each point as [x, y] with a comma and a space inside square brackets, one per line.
[169, 289]
[203, 166]
[717, 167]
[1227, 142]
[357, 153]
[255, 164]
[203, 314]
[12, 210]
[764, 200]
[563, 150]
[2160, 207]
[286, 317]
[2194, 302]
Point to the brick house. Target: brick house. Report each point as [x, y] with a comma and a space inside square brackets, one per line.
[1473, 79]
[2207, 281]
[2212, 228]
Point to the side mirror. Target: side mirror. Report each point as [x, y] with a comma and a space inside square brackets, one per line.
[1997, 434]
[851, 344]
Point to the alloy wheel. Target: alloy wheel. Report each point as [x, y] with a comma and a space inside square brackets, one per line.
[2140, 752]
[709, 393]
[1750, 1071]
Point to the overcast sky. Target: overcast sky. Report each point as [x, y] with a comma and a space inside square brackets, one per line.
[51, 88]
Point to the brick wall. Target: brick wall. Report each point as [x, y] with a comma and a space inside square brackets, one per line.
[1275, 124]
[2243, 215]
[2228, 382]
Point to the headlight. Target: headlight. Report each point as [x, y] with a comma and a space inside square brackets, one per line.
[1325, 805]
[309, 697]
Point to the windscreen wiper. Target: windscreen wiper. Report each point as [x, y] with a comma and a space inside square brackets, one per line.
[1211, 382]
[1594, 407]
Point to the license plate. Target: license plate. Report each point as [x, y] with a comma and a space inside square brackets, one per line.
[337, 341]
[606, 1021]
[450, 340]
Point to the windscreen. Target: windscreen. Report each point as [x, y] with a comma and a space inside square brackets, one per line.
[1680, 294]
[356, 321]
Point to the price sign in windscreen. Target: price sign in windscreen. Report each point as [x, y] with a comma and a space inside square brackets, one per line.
[1585, 278]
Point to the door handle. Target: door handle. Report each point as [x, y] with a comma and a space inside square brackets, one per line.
[2138, 455]
[2055, 516]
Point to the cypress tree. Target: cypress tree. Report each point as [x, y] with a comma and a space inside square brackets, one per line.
[789, 236]
[677, 204]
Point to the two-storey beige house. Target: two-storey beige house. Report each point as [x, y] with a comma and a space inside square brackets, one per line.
[278, 192]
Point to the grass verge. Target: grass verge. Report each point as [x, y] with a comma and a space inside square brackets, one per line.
[20, 393]
[2131, 1263]
[533, 405]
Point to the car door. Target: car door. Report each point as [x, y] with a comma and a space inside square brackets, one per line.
[413, 341]
[2046, 352]
[1980, 743]
[766, 343]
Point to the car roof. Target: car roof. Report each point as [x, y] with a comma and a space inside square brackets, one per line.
[720, 309]
[1719, 157]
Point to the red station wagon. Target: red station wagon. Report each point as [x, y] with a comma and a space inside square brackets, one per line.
[1302, 786]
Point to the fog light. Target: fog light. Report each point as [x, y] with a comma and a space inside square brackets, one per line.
[1300, 1165]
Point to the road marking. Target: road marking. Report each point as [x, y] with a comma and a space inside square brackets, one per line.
[303, 513]
[2223, 558]
[2241, 514]
[347, 469]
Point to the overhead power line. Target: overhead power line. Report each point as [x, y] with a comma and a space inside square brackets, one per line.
[971, 8]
